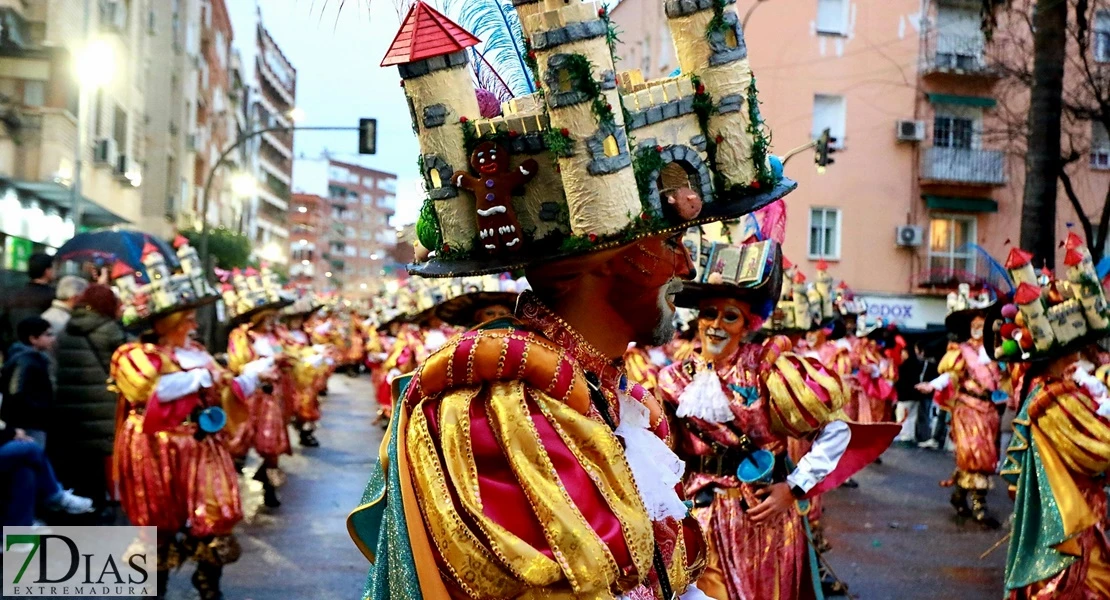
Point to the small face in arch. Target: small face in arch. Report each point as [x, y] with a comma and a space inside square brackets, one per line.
[490, 159]
[722, 325]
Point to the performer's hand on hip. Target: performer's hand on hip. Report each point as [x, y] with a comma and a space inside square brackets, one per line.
[776, 498]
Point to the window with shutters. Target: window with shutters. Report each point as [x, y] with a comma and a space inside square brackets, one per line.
[1100, 146]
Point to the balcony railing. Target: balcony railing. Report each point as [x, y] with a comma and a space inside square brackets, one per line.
[957, 54]
[964, 165]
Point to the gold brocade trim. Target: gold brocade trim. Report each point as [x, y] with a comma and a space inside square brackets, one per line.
[1076, 515]
[602, 457]
[529, 565]
[586, 561]
[971, 481]
[1084, 451]
[470, 564]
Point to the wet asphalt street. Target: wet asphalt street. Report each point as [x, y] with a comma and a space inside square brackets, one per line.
[895, 537]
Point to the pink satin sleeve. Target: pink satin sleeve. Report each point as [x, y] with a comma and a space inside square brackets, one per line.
[504, 501]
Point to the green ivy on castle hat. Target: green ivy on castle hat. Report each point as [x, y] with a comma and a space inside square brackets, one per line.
[595, 158]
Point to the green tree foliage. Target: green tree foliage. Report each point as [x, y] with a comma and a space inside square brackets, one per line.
[229, 249]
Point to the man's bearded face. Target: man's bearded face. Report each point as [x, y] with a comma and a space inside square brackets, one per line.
[649, 275]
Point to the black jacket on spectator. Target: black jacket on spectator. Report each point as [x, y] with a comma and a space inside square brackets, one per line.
[30, 300]
[912, 372]
[28, 389]
[84, 416]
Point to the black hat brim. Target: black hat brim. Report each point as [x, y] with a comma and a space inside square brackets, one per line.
[459, 311]
[250, 314]
[723, 208]
[145, 323]
[959, 322]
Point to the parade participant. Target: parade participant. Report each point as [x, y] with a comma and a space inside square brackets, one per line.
[737, 405]
[1060, 452]
[519, 461]
[171, 458]
[968, 387]
[309, 369]
[255, 307]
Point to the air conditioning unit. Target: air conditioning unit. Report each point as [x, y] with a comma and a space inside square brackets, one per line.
[122, 166]
[910, 131]
[909, 236]
[104, 151]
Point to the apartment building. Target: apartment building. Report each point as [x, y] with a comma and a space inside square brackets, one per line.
[216, 117]
[40, 119]
[169, 196]
[271, 104]
[309, 220]
[910, 90]
[344, 231]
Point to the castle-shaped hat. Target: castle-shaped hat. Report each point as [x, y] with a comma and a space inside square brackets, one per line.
[1045, 317]
[159, 291]
[595, 158]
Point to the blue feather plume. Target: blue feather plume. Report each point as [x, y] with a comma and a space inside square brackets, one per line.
[497, 24]
[988, 270]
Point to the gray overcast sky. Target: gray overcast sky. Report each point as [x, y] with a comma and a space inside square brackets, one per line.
[339, 80]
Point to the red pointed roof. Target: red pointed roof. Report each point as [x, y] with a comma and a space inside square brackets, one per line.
[800, 277]
[1074, 242]
[1027, 293]
[822, 265]
[180, 241]
[426, 34]
[1072, 258]
[149, 249]
[121, 269]
[786, 264]
[1018, 258]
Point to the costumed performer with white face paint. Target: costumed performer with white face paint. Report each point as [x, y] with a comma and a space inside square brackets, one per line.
[737, 404]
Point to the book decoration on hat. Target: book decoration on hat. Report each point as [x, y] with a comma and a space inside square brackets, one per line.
[161, 292]
[596, 158]
[1048, 321]
[750, 272]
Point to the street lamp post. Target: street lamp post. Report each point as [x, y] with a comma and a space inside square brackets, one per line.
[243, 137]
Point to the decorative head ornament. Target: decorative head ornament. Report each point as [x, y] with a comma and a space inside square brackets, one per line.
[252, 292]
[750, 271]
[165, 293]
[1045, 322]
[596, 158]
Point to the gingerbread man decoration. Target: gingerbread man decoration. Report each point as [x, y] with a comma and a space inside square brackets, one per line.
[498, 229]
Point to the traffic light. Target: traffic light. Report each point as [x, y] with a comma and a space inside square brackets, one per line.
[367, 136]
[826, 145]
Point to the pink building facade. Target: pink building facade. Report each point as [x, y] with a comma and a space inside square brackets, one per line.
[922, 166]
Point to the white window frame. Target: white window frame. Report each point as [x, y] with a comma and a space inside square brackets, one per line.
[1100, 149]
[828, 28]
[838, 126]
[837, 232]
[953, 252]
[1100, 36]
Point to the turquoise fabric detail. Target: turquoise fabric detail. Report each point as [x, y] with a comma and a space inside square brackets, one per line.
[383, 528]
[749, 393]
[1038, 527]
[811, 557]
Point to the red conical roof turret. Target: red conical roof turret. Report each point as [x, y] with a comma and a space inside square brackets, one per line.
[1018, 258]
[426, 34]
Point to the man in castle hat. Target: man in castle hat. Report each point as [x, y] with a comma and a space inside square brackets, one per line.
[519, 461]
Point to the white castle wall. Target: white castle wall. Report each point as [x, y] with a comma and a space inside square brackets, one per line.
[598, 204]
[734, 151]
[452, 88]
